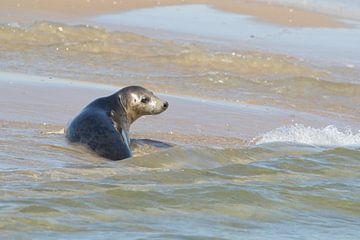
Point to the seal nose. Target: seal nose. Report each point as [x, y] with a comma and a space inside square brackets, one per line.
[166, 104]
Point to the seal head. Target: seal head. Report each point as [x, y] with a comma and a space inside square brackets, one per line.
[138, 101]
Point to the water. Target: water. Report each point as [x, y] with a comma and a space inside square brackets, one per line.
[339, 44]
[255, 145]
[183, 68]
[298, 133]
[343, 8]
[280, 190]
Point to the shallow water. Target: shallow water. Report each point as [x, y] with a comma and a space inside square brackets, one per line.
[283, 190]
[255, 144]
[182, 68]
[204, 184]
[342, 8]
[338, 44]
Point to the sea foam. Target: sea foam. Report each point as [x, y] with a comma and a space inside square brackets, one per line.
[298, 133]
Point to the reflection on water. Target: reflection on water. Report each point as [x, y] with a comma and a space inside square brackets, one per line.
[275, 190]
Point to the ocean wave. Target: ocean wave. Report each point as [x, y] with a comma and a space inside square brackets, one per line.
[299, 133]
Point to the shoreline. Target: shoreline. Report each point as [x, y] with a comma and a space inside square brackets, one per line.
[75, 9]
[296, 66]
[54, 102]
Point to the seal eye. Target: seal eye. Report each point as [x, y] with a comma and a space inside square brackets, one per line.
[145, 99]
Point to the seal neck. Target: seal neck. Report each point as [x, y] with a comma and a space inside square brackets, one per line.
[130, 116]
[124, 118]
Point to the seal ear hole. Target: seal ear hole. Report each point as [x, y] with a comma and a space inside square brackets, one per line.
[145, 99]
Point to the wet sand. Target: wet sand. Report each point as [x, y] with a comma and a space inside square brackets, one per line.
[54, 102]
[210, 66]
[25, 10]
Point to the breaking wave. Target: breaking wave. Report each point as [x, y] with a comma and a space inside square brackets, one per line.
[298, 133]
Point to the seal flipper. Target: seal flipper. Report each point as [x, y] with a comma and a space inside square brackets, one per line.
[125, 138]
[113, 147]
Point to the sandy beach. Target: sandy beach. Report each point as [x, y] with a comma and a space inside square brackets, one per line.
[261, 138]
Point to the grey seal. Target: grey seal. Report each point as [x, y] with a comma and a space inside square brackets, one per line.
[104, 124]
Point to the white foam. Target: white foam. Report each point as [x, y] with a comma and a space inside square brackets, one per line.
[298, 133]
[55, 132]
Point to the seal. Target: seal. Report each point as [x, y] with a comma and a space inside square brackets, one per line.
[104, 124]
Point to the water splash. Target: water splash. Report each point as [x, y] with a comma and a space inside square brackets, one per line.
[298, 133]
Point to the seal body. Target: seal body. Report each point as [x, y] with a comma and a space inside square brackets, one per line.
[104, 124]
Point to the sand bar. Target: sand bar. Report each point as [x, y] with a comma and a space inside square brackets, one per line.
[25, 10]
[40, 100]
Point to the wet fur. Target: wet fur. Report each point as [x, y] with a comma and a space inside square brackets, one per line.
[104, 124]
